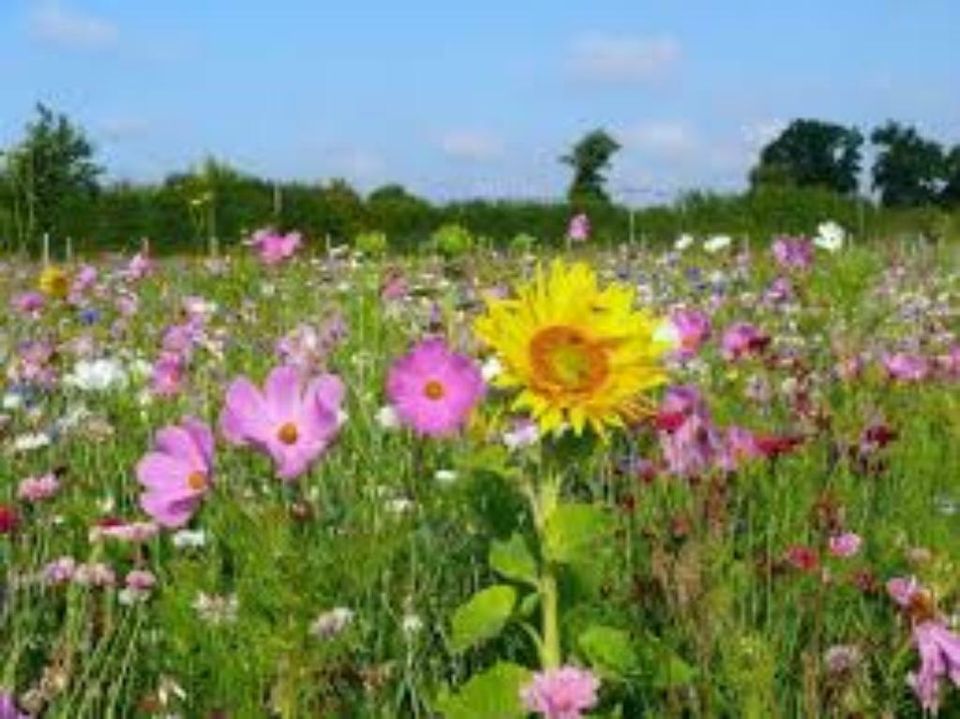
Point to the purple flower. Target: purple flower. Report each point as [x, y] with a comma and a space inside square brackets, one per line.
[434, 389]
[743, 339]
[292, 423]
[689, 440]
[563, 693]
[939, 650]
[906, 367]
[793, 253]
[167, 376]
[29, 303]
[176, 475]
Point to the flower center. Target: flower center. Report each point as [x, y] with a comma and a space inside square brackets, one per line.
[197, 481]
[566, 360]
[288, 433]
[434, 390]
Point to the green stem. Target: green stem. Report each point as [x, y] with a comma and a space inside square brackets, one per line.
[550, 651]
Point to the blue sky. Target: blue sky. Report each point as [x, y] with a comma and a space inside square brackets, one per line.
[459, 99]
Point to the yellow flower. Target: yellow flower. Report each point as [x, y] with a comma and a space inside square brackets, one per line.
[578, 354]
[54, 282]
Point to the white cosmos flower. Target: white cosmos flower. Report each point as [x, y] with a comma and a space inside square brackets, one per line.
[490, 369]
[445, 476]
[30, 442]
[189, 539]
[387, 417]
[683, 242]
[96, 376]
[717, 243]
[830, 236]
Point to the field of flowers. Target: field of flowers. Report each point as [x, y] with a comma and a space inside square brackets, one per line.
[711, 481]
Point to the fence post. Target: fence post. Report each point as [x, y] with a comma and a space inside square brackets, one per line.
[46, 249]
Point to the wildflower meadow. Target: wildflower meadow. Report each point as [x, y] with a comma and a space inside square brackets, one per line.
[710, 479]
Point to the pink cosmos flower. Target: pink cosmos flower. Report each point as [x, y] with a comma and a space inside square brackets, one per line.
[906, 367]
[949, 363]
[742, 339]
[274, 248]
[563, 693]
[177, 473]
[140, 266]
[793, 253]
[38, 489]
[29, 303]
[939, 650]
[59, 571]
[307, 347]
[903, 590]
[693, 328]
[845, 545]
[168, 373]
[130, 532]
[434, 389]
[83, 281]
[94, 574]
[291, 423]
[579, 228]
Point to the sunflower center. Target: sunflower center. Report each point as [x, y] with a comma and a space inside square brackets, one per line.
[288, 433]
[565, 358]
[197, 481]
[434, 390]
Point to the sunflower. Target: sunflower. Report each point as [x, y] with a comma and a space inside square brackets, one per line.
[578, 354]
[54, 282]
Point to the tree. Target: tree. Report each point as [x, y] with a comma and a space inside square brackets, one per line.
[909, 170]
[54, 177]
[590, 158]
[950, 195]
[811, 153]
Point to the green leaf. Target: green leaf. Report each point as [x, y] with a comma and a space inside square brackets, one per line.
[494, 694]
[513, 560]
[664, 666]
[574, 530]
[483, 616]
[609, 650]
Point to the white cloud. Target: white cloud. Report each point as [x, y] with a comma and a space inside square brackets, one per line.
[666, 139]
[52, 23]
[624, 58]
[471, 145]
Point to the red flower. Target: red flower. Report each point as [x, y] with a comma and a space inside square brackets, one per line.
[773, 445]
[803, 558]
[8, 519]
[670, 421]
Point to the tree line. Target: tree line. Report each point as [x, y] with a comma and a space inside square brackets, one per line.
[51, 184]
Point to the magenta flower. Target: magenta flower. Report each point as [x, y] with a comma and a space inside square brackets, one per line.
[292, 423]
[693, 328]
[274, 248]
[949, 363]
[28, 303]
[8, 707]
[939, 650]
[845, 545]
[177, 473]
[168, 373]
[433, 389]
[906, 367]
[579, 228]
[83, 281]
[903, 591]
[563, 693]
[793, 253]
[690, 442]
[743, 339]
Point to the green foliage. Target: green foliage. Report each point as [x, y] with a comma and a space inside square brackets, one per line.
[371, 243]
[811, 153]
[483, 616]
[523, 242]
[452, 240]
[493, 694]
[909, 169]
[512, 559]
[574, 531]
[610, 651]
